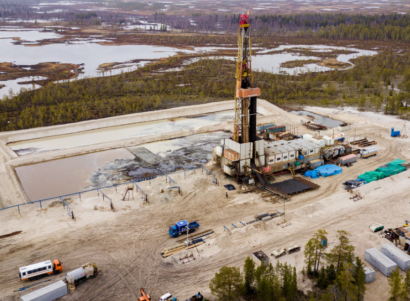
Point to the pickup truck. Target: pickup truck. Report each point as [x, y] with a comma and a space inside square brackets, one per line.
[182, 227]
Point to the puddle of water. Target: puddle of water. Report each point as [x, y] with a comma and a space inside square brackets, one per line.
[331, 123]
[26, 35]
[271, 62]
[64, 176]
[119, 132]
[14, 85]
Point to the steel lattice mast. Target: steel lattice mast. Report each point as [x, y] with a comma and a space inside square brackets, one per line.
[245, 98]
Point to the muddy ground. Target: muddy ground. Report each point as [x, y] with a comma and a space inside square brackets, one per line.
[52, 71]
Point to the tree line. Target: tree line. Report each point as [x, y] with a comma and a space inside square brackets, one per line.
[266, 283]
[394, 27]
[370, 85]
[338, 274]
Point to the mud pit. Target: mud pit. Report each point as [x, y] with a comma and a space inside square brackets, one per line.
[125, 244]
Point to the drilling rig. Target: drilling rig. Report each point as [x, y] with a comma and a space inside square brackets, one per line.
[244, 148]
[246, 94]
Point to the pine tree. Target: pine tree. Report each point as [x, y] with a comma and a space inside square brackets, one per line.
[259, 273]
[359, 279]
[407, 282]
[276, 289]
[293, 292]
[322, 281]
[345, 282]
[227, 284]
[342, 252]
[395, 282]
[287, 281]
[265, 289]
[249, 273]
[331, 273]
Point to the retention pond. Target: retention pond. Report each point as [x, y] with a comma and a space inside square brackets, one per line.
[75, 174]
[326, 121]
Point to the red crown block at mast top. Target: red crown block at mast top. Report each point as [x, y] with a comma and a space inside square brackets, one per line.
[243, 21]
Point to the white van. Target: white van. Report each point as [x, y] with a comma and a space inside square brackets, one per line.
[165, 297]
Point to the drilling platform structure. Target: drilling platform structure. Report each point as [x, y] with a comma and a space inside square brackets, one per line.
[246, 95]
[244, 148]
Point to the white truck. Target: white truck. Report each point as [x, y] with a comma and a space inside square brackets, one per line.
[368, 151]
[292, 248]
[278, 253]
[167, 297]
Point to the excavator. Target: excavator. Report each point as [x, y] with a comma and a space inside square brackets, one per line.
[144, 297]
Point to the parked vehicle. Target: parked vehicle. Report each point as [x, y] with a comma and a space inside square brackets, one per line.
[79, 275]
[61, 288]
[347, 159]
[182, 227]
[167, 297]
[48, 293]
[376, 227]
[41, 269]
[368, 152]
[292, 248]
[278, 253]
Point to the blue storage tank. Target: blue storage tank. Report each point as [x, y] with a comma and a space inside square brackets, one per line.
[394, 133]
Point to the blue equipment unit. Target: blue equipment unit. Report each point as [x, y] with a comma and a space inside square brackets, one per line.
[182, 227]
[262, 128]
[394, 133]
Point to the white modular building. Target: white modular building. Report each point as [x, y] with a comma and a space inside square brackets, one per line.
[398, 256]
[283, 151]
[380, 261]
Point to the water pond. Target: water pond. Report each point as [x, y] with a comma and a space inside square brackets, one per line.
[79, 173]
[326, 121]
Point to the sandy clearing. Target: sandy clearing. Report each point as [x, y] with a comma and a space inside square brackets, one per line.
[14, 194]
[126, 243]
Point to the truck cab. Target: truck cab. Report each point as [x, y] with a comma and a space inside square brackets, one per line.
[57, 266]
[182, 227]
[178, 228]
[278, 253]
